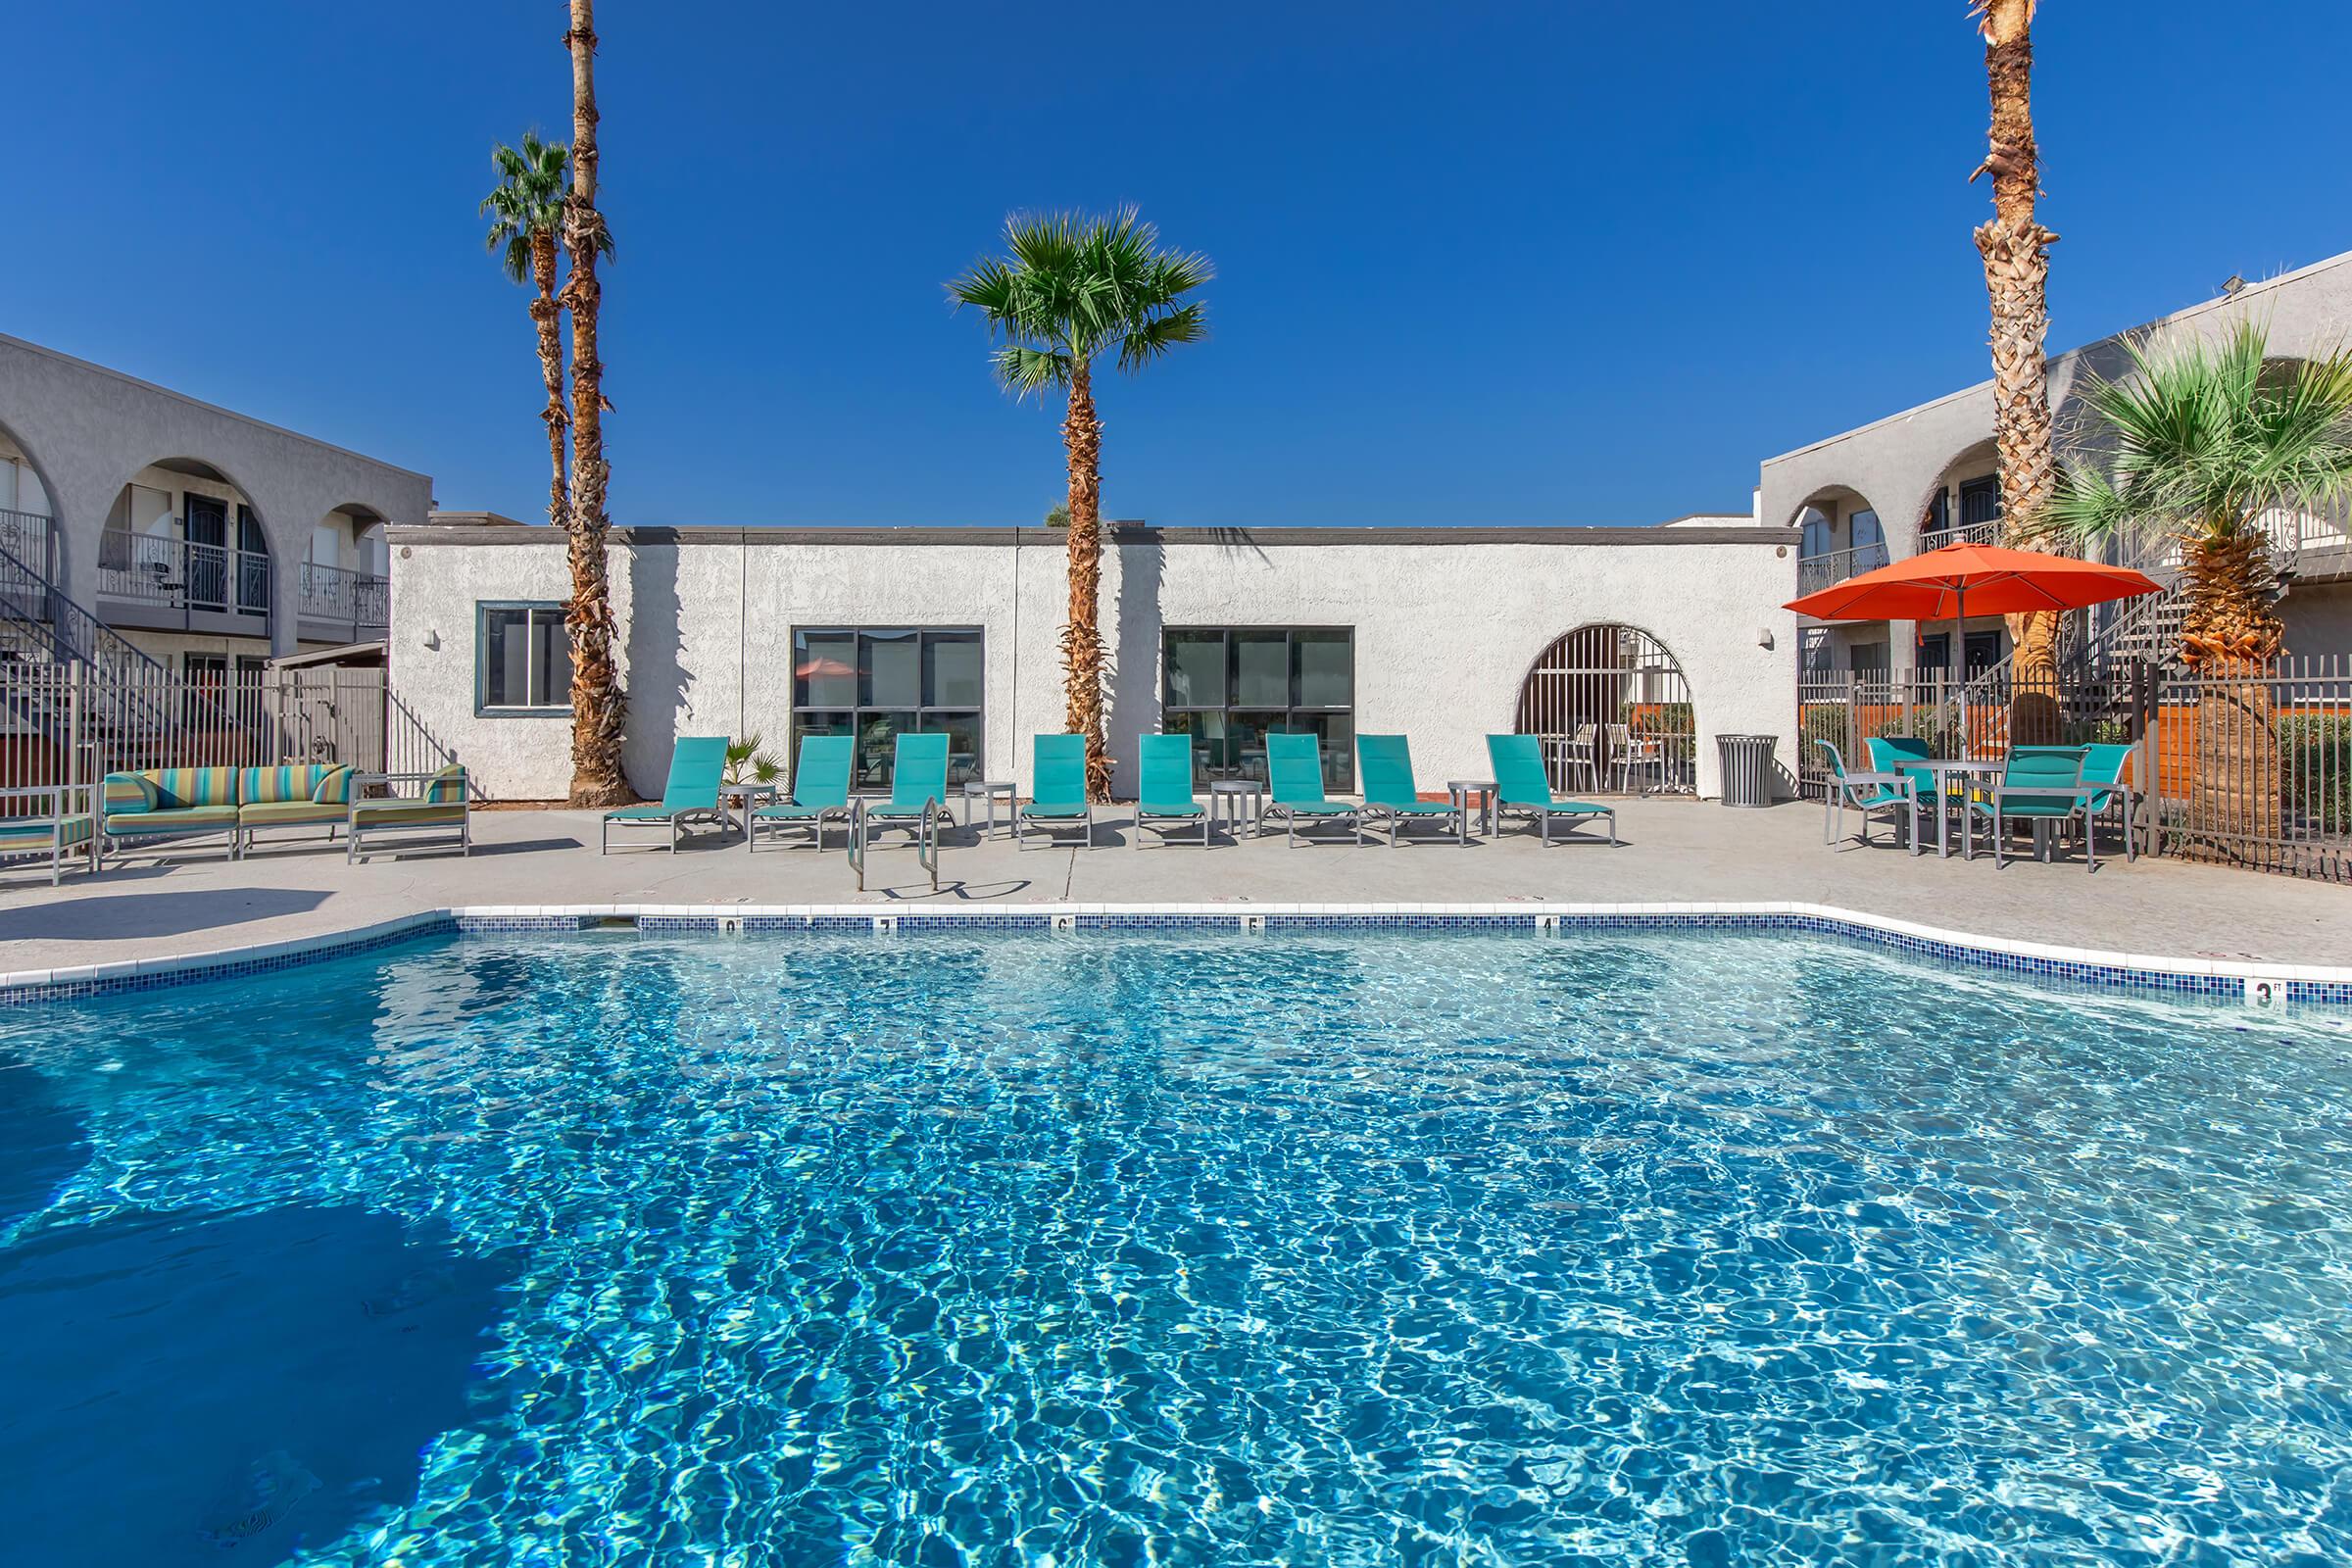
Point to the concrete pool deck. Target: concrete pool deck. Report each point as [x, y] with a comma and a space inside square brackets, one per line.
[1675, 850]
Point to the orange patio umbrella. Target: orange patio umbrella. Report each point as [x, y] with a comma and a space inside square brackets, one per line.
[1946, 582]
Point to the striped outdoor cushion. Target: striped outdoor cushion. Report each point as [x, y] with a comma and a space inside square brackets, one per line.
[20, 834]
[179, 788]
[333, 787]
[261, 786]
[410, 813]
[127, 793]
[447, 785]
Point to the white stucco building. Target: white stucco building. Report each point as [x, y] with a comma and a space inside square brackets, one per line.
[1442, 634]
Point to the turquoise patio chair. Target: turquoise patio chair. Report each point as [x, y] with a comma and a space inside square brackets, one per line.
[820, 791]
[1522, 790]
[1057, 801]
[1294, 789]
[2041, 785]
[697, 766]
[1165, 797]
[1865, 792]
[2103, 767]
[1390, 795]
[1900, 754]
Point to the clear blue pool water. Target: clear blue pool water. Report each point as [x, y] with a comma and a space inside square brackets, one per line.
[1103, 1249]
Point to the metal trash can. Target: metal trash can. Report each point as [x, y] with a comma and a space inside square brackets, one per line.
[1746, 764]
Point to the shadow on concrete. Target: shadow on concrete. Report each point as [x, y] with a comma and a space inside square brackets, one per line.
[181, 1383]
[1134, 698]
[525, 846]
[966, 892]
[108, 917]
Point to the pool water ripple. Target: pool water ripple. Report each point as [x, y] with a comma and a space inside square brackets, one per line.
[1404, 1248]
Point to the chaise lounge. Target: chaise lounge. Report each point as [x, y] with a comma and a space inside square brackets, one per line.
[1522, 790]
[820, 791]
[1163, 797]
[697, 766]
[436, 807]
[1294, 792]
[1059, 802]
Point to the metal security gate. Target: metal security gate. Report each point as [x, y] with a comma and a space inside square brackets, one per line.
[1613, 714]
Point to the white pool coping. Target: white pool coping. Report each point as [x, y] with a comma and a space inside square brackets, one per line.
[2250, 981]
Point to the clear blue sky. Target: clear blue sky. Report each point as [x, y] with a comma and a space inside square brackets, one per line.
[1545, 263]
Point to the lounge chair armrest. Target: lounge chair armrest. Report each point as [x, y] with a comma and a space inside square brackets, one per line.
[54, 794]
[2023, 792]
[1891, 780]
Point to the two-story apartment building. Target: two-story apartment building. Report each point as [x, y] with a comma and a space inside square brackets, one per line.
[1925, 477]
[206, 540]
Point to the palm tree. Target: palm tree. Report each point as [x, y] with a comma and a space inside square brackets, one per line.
[1072, 289]
[2014, 249]
[596, 702]
[526, 208]
[2209, 443]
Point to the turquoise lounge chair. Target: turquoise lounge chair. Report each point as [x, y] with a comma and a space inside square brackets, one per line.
[1165, 794]
[698, 764]
[1867, 792]
[2041, 784]
[1294, 789]
[820, 791]
[918, 790]
[1058, 799]
[1522, 790]
[1389, 793]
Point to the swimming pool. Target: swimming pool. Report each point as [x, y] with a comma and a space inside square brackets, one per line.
[1120, 1248]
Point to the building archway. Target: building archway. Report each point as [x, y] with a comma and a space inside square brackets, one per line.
[27, 508]
[184, 548]
[1612, 713]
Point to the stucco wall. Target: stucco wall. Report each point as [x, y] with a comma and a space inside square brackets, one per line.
[1446, 625]
[87, 431]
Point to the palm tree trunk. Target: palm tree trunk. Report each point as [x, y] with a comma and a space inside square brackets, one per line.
[1082, 638]
[597, 703]
[2231, 630]
[2014, 249]
[546, 316]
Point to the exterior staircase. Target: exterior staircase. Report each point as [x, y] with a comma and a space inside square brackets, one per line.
[135, 714]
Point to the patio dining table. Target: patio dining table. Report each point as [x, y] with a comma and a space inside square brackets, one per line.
[1944, 770]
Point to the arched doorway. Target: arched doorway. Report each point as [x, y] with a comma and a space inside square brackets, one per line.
[1613, 714]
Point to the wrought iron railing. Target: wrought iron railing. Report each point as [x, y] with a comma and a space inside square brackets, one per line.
[176, 574]
[31, 538]
[1816, 573]
[1965, 533]
[357, 600]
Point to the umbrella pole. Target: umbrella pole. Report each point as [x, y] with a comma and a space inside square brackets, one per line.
[1959, 639]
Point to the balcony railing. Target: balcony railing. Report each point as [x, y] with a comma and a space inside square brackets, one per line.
[1987, 532]
[1816, 573]
[26, 536]
[357, 600]
[166, 573]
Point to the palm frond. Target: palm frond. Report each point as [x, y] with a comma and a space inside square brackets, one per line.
[528, 200]
[1069, 288]
[2208, 436]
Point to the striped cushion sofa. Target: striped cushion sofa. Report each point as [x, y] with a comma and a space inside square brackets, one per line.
[172, 804]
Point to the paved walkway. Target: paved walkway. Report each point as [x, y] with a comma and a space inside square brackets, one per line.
[1675, 850]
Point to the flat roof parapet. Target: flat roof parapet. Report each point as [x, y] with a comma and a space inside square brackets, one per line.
[470, 528]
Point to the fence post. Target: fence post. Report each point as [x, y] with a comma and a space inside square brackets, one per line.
[73, 679]
[2146, 691]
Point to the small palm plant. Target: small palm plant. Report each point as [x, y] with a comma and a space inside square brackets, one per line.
[1070, 290]
[2208, 442]
[744, 758]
